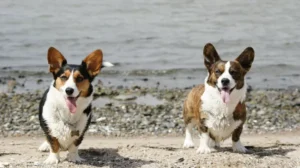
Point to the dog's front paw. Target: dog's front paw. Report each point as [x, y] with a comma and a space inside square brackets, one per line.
[204, 149]
[44, 147]
[188, 144]
[74, 157]
[238, 147]
[52, 159]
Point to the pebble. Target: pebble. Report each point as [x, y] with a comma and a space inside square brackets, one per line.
[101, 119]
[180, 160]
[267, 110]
[125, 97]
[4, 164]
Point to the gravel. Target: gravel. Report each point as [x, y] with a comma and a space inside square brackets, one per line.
[117, 113]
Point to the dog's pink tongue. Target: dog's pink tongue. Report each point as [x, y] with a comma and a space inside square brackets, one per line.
[71, 103]
[225, 95]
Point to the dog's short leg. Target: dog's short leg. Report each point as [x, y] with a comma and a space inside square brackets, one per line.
[236, 143]
[53, 157]
[73, 155]
[205, 145]
[44, 147]
[188, 142]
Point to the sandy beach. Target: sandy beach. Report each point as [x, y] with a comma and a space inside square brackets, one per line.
[266, 150]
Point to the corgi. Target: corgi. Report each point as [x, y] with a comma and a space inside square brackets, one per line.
[217, 107]
[65, 108]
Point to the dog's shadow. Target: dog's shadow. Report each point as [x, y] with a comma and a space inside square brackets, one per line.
[109, 157]
[261, 152]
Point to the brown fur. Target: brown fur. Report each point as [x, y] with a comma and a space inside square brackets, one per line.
[59, 82]
[82, 86]
[94, 62]
[239, 114]
[192, 104]
[55, 146]
[55, 59]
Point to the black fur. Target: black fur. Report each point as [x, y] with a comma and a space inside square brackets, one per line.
[43, 123]
[87, 111]
[81, 68]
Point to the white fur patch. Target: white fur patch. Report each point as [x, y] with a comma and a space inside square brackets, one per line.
[70, 84]
[53, 158]
[188, 142]
[227, 75]
[44, 147]
[73, 154]
[206, 144]
[220, 120]
[238, 147]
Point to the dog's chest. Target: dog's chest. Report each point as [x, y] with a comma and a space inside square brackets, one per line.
[219, 116]
[66, 131]
[63, 125]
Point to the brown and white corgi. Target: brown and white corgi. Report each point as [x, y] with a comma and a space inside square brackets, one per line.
[217, 108]
[65, 108]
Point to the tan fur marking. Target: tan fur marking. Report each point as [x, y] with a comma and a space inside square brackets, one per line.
[191, 110]
[59, 82]
[82, 86]
[213, 76]
[54, 144]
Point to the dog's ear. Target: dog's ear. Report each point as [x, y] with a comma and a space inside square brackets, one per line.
[55, 60]
[246, 58]
[93, 62]
[211, 55]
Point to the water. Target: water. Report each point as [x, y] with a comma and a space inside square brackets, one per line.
[161, 40]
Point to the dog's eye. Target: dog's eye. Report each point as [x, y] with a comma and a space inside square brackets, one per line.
[233, 72]
[79, 79]
[217, 72]
[64, 78]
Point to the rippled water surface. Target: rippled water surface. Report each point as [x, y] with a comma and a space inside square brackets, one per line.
[161, 40]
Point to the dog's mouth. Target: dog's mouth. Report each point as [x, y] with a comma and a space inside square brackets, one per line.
[71, 103]
[225, 94]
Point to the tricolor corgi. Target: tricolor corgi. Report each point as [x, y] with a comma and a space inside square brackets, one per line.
[217, 108]
[65, 108]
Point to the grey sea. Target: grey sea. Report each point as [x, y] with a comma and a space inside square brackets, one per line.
[152, 43]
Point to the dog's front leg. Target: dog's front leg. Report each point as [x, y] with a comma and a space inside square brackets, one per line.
[236, 143]
[205, 140]
[73, 155]
[53, 157]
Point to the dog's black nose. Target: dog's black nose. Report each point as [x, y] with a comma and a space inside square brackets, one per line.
[69, 91]
[225, 81]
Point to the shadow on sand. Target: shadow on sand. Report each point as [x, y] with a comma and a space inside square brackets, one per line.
[109, 157]
[261, 152]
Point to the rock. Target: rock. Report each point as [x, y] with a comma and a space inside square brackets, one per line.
[4, 164]
[125, 97]
[32, 118]
[36, 163]
[180, 160]
[92, 130]
[101, 119]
